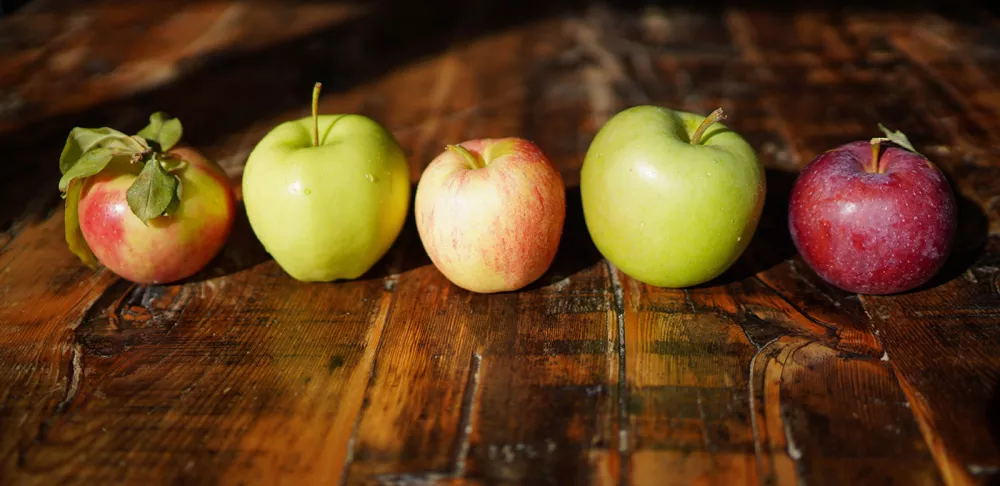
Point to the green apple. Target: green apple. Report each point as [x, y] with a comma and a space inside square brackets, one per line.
[327, 196]
[671, 198]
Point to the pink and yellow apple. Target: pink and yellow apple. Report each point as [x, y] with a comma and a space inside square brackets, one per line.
[490, 213]
[170, 247]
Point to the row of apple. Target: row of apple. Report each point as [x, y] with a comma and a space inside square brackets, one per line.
[670, 198]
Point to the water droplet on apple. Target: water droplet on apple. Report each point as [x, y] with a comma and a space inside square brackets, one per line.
[307, 191]
[370, 177]
[708, 174]
[739, 238]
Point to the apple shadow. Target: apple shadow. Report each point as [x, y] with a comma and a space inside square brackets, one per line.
[241, 251]
[993, 424]
[406, 253]
[576, 249]
[971, 235]
[772, 243]
[244, 251]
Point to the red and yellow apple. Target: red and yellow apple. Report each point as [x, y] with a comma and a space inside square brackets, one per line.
[150, 210]
[490, 213]
[170, 247]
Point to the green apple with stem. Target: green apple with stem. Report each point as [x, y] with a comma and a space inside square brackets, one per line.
[671, 198]
[327, 195]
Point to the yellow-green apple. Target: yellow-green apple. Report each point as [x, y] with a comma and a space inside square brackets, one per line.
[327, 196]
[148, 209]
[490, 213]
[671, 198]
[873, 221]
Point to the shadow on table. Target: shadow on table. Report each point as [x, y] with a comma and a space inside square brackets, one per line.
[971, 235]
[576, 249]
[993, 422]
[772, 243]
[406, 253]
[242, 251]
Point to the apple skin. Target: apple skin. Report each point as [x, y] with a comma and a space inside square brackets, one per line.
[172, 247]
[494, 228]
[872, 233]
[664, 211]
[331, 211]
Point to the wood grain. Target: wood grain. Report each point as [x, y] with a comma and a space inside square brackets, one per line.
[241, 375]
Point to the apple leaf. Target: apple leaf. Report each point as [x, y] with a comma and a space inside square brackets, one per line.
[152, 192]
[899, 138]
[162, 129]
[82, 140]
[74, 236]
[92, 162]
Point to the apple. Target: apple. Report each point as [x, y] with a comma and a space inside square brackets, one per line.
[670, 198]
[327, 195]
[490, 213]
[168, 248]
[149, 210]
[873, 221]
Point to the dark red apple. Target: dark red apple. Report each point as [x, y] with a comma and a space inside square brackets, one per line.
[873, 221]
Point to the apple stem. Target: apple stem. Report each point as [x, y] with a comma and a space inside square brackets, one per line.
[315, 109]
[463, 152]
[874, 166]
[713, 118]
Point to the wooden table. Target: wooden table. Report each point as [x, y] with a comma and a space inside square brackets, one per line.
[243, 375]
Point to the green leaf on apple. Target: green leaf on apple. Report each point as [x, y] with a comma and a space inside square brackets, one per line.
[899, 138]
[173, 165]
[74, 236]
[152, 192]
[92, 162]
[163, 129]
[83, 140]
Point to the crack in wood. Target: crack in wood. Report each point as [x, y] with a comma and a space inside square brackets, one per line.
[74, 378]
[412, 479]
[623, 394]
[758, 446]
[832, 330]
[351, 442]
[462, 436]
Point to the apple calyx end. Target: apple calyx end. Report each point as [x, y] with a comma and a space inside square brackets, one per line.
[473, 161]
[716, 116]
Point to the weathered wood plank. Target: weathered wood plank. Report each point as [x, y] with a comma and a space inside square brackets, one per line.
[239, 374]
[59, 61]
[243, 377]
[507, 388]
[767, 375]
[733, 367]
[39, 309]
[942, 339]
[880, 88]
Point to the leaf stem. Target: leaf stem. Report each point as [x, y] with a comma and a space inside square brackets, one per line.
[714, 117]
[315, 112]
